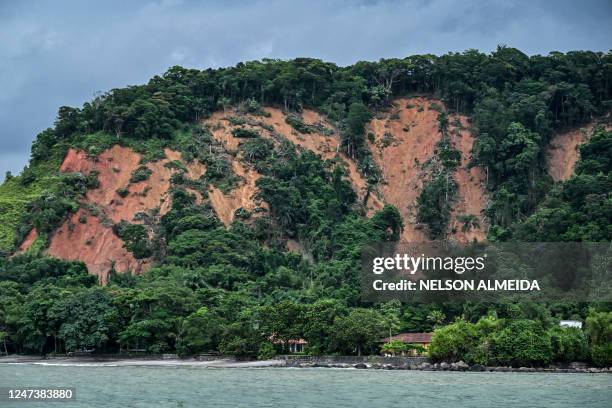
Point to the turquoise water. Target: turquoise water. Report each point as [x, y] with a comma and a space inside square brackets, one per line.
[98, 386]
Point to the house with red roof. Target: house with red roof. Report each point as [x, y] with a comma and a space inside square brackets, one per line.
[415, 344]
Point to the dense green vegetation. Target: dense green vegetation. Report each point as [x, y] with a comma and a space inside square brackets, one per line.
[135, 237]
[515, 101]
[237, 290]
[440, 192]
[579, 209]
[140, 174]
[519, 341]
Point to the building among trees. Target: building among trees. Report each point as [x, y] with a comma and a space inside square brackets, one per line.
[406, 344]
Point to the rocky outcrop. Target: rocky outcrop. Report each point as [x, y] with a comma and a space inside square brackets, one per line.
[420, 364]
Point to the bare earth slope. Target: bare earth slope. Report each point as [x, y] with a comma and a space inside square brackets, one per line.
[87, 235]
[273, 126]
[243, 196]
[405, 137]
[563, 153]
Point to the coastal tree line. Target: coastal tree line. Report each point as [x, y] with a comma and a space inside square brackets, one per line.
[65, 310]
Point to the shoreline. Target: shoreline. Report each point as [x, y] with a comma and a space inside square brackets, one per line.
[285, 362]
[154, 361]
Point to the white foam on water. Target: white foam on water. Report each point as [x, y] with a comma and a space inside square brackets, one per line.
[74, 364]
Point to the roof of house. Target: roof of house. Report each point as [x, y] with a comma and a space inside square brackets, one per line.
[275, 340]
[410, 338]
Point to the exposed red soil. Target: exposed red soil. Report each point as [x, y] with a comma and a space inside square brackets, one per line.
[294, 246]
[243, 196]
[413, 133]
[95, 244]
[297, 247]
[405, 138]
[77, 161]
[563, 154]
[195, 169]
[471, 183]
[115, 167]
[28, 241]
[324, 145]
[410, 128]
[401, 161]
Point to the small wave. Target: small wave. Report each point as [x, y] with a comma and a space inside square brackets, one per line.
[74, 364]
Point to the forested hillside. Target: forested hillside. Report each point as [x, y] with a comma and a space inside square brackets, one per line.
[222, 207]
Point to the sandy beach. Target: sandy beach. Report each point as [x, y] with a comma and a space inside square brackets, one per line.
[125, 362]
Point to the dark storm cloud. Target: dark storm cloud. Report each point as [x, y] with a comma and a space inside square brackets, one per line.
[60, 53]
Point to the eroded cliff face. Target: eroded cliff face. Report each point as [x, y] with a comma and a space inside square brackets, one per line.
[87, 238]
[28, 241]
[404, 137]
[273, 126]
[243, 196]
[87, 235]
[563, 154]
[563, 151]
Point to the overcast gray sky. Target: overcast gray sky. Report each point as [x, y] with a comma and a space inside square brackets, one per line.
[55, 53]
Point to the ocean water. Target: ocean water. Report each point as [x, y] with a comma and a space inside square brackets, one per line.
[104, 386]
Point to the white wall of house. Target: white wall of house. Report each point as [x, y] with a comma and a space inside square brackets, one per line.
[571, 323]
